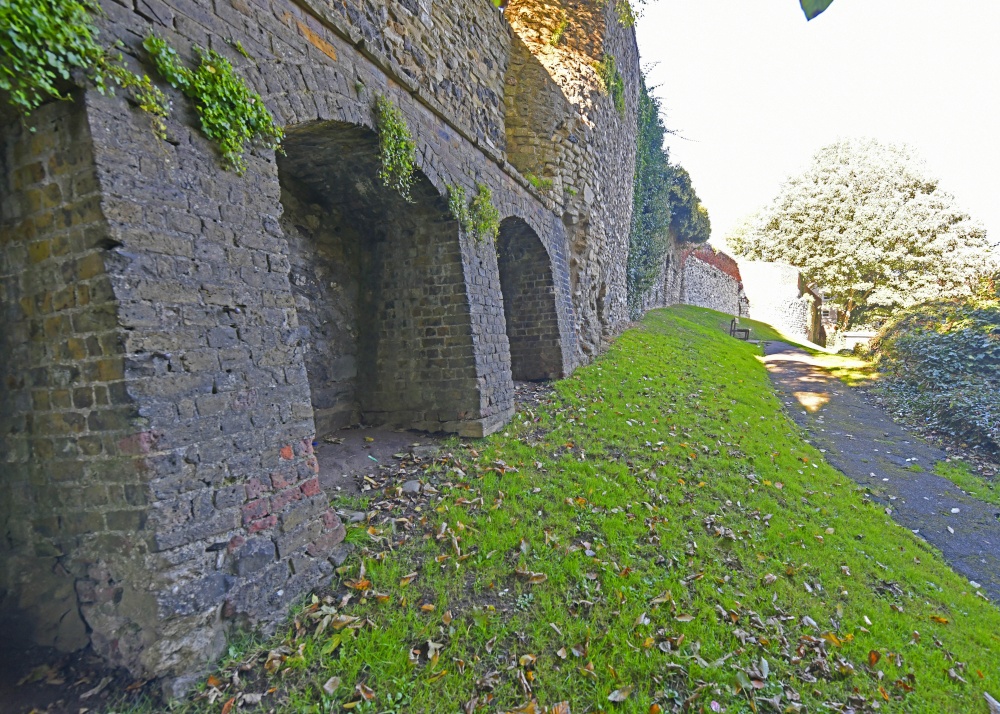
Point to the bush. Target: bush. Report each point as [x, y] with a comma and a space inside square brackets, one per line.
[941, 361]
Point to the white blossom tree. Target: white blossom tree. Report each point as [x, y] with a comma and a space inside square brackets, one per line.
[868, 224]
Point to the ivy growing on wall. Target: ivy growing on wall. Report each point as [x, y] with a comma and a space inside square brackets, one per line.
[480, 218]
[397, 150]
[665, 205]
[614, 85]
[43, 42]
[232, 115]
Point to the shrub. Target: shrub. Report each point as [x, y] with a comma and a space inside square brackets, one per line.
[232, 115]
[397, 150]
[43, 42]
[941, 362]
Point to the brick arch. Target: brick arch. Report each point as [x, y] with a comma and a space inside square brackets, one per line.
[529, 298]
[379, 286]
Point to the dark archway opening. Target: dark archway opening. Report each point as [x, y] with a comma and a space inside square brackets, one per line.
[529, 303]
[379, 287]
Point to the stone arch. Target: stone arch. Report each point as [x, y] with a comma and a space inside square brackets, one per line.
[529, 299]
[379, 287]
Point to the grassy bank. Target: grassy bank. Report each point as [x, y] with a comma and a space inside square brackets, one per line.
[656, 536]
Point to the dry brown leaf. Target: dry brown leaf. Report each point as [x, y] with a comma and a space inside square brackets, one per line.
[407, 579]
[228, 706]
[367, 693]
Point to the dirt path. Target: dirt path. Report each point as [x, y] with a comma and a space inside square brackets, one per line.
[862, 441]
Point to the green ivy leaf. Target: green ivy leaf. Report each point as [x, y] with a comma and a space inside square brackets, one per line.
[813, 8]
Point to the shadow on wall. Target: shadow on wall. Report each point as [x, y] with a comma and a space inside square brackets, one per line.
[379, 287]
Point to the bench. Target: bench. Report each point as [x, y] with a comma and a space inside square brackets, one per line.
[742, 333]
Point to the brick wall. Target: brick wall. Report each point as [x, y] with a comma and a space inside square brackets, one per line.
[69, 487]
[168, 321]
[529, 303]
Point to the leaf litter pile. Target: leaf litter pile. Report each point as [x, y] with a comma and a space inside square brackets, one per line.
[654, 535]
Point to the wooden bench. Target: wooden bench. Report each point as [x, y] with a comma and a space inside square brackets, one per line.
[742, 333]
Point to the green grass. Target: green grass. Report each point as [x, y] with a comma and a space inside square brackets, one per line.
[960, 474]
[688, 545]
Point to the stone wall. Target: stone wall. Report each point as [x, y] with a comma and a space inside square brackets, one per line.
[68, 486]
[779, 296]
[178, 333]
[706, 285]
[563, 128]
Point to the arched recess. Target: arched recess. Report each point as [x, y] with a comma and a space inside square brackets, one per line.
[379, 287]
[529, 303]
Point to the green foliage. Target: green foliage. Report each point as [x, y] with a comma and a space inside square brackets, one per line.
[44, 41]
[812, 8]
[869, 225]
[558, 33]
[480, 218]
[665, 205]
[614, 85]
[624, 11]
[397, 150]
[940, 362]
[232, 115]
[542, 184]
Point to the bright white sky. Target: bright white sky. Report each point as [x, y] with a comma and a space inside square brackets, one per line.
[755, 90]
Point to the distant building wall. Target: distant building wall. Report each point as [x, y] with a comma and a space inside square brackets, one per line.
[779, 296]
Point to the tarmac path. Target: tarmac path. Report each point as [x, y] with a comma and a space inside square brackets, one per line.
[896, 465]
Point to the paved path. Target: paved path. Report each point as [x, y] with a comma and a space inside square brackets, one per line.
[863, 441]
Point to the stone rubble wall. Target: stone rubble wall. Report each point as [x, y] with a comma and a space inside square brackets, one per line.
[705, 285]
[779, 296]
[563, 128]
[159, 483]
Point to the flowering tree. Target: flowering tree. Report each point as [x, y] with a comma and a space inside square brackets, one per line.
[869, 225]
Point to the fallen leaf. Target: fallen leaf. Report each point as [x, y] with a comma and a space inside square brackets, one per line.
[407, 579]
[560, 708]
[684, 618]
[367, 693]
[620, 695]
[212, 681]
[873, 657]
[562, 653]
[331, 685]
[938, 618]
[342, 621]
[530, 577]
[228, 706]
[446, 618]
